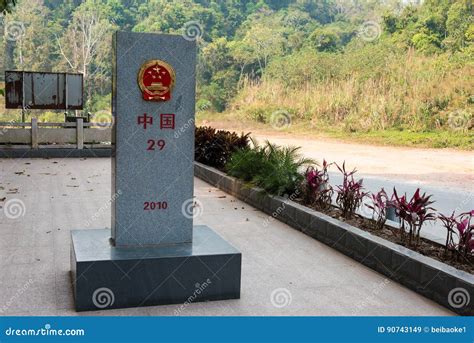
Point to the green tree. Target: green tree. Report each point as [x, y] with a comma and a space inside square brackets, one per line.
[216, 74]
[325, 39]
[7, 5]
[323, 10]
[262, 39]
[27, 31]
[390, 22]
[457, 24]
[85, 46]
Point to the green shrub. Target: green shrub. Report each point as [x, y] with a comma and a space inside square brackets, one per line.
[275, 169]
[100, 103]
[245, 164]
[203, 105]
[51, 117]
[214, 147]
[258, 114]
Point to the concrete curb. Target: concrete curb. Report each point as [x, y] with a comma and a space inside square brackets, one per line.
[54, 152]
[435, 280]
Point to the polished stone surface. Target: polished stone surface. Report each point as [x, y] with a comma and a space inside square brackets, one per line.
[143, 175]
[209, 268]
[91, 246]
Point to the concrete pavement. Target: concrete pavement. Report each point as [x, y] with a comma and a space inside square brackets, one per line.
[284, 272]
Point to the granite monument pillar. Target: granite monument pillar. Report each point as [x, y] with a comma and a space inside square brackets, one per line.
[152, 254]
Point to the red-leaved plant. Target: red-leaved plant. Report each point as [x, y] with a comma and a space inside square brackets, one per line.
[413, 213]
[466, 234]
[450, 223]
[461, 227]
[317, 190]
[380, 203]
[350, 194]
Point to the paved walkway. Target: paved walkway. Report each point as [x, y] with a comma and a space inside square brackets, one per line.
[284, 272]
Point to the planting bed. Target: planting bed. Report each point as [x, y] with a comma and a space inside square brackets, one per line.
[426, 275]
[425, 247]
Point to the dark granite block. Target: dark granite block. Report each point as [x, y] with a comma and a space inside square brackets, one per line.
[255, 198]
[244, 194]
[317, 228]
[303, 218]
[278, 208]
[378, 256]
[218, 182]
[432, 278]
[109, 277]
[383, 260]
[266, 205]
[407, 270]
[289, 214]
[356, 246]
[335, 235]
[229, 186]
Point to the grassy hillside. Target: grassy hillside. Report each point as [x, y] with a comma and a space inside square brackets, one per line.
[401, 71]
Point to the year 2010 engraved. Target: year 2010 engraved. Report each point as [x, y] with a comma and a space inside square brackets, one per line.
[155, 205]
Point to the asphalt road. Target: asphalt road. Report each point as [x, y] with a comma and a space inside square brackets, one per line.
[446, 199]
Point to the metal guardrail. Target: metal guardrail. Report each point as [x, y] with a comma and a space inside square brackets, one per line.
[55, 135]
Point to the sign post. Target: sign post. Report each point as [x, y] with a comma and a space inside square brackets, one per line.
[152, 255]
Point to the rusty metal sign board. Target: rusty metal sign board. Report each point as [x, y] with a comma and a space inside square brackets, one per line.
[47, 91]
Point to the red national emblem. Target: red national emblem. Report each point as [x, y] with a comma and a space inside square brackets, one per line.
[156, 80]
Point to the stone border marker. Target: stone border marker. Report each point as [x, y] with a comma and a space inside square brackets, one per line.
[152, 255]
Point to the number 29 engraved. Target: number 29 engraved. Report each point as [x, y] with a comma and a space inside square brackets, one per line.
[153, 144]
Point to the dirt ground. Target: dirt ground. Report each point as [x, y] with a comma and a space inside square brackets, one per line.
[438, 167]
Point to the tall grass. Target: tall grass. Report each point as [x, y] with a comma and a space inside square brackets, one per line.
[404, 91]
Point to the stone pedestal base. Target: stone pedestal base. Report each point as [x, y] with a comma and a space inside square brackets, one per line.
[106, 277]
